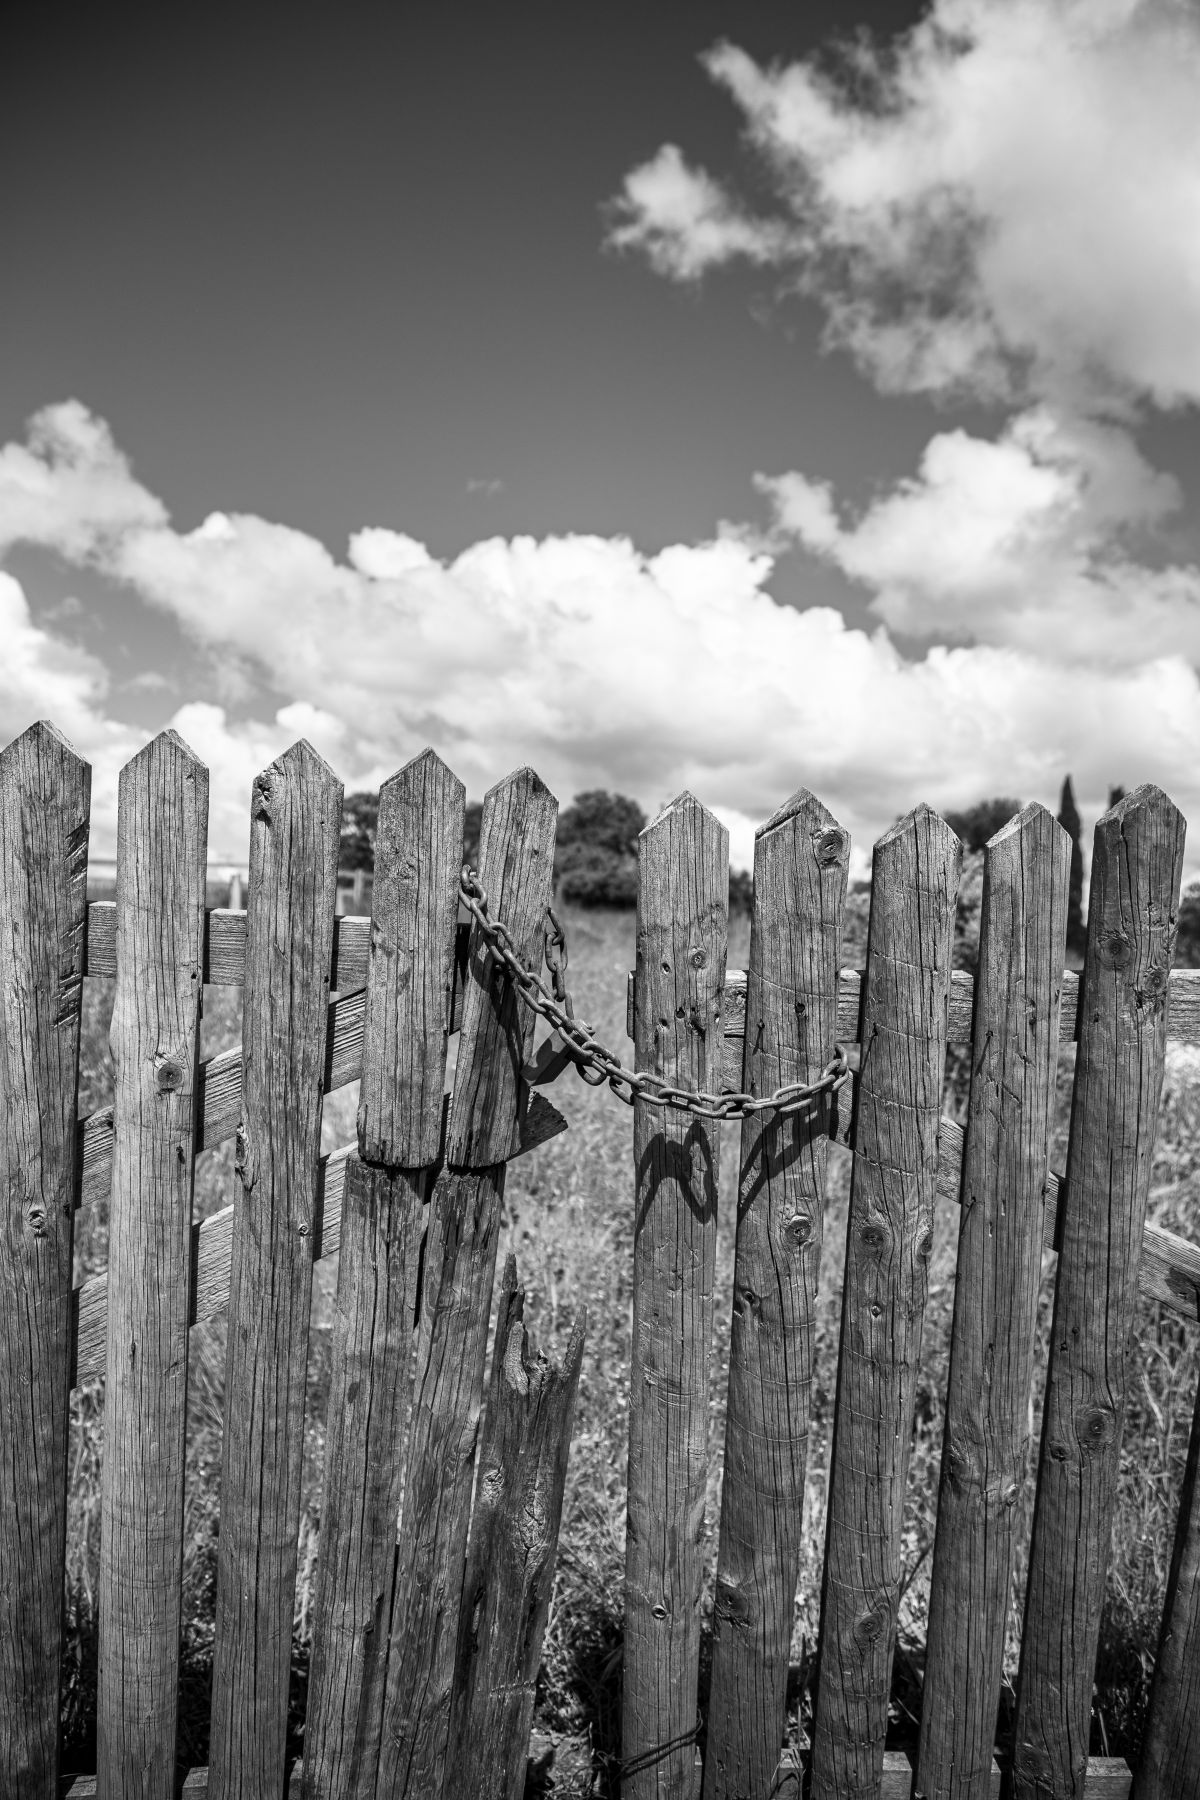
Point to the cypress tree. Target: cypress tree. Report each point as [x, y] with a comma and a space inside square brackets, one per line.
[1068, 818]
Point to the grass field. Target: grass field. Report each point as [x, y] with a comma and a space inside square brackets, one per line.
[569, 1219]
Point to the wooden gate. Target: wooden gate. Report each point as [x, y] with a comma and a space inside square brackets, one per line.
[426, 1640]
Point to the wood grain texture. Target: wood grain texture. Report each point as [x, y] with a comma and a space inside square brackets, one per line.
[45, 797]
[985, 1451]
[510, 1556]
[295, 818]
[1170, 1761]
[225, 947]
[516, 855]
[1136, 865]
[418, 852]
[1169, 1768]
[800, 863]
[369, 1392]
[516, 864]
[682, 926]
[212, 1244]
[888, 1240]
[418, 857]
[162, 832]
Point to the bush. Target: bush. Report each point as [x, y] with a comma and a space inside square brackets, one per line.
[981, 821]
[1187, 943]
[595, 857]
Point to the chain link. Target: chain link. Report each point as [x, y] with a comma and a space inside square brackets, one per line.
[597, 1065]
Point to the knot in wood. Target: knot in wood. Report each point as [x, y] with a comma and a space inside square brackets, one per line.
[698, 957]
[1115, 950]
[260, 805]
[491, 1488]
[798, 1230]
[872, 1238]
[731, 1604]
[1095, 1428]
[168, 1074]
[869, 1626]
[829, 847]
[36, 1214]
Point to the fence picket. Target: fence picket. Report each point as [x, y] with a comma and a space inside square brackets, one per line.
[1169, 1768]
[510, 1556]
[800, 863]
[295, 821]
[985, 1452]
[1136, 866]
[162, 830]
[682, 925]
[889, 1235]
[516, 855]
[45, 796]
[418, 852]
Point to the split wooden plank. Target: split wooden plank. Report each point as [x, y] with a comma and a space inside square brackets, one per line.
[45, 799]
[162, 831]
[682, 926]
[985, 1452]
[800, 863]
[516, 855]
[1169, 1768]
[510, 1557]
[888, 1239]
[418, 852]
[1136, 865]
[295, 821]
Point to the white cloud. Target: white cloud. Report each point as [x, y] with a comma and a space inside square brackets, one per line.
[70, 488]
[604, 667]
[1019, 541]
[1009, 202]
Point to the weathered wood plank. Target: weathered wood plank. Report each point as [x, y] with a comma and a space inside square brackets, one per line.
[1183, 1008]
[510, 1556]
[800, 863]
[418, 852]
[45, 798]
[888, 1239]
[1136, 866]
[516, 854]
[295, 822]
[985, 1452]
[1169, 1768]
[418, 857]
[682, 924]
[225, 947]
[162, 827]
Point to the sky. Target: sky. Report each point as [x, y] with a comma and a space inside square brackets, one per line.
[732, 397]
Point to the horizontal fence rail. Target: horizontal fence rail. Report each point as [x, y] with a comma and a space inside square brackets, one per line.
[444, 1479]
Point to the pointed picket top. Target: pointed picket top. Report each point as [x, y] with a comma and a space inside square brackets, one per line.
[1137, 865]
[40, 740]
[162, 750]
[414, 912]
[1033, 820]
[831, 841]
[299, 764]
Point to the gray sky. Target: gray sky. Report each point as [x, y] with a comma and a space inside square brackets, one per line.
[431, 275]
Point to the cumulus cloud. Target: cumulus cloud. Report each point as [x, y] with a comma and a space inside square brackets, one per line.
[1023, 540]
[599, 665]
[1006, 200]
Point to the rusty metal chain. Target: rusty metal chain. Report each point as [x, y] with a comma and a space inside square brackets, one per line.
[574, 1041]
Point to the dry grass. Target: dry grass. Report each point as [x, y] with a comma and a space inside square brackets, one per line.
[568, 1217]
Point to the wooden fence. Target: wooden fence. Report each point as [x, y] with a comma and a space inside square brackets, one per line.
[426, 1639]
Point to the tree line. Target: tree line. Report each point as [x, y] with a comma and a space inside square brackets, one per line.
[595, 858]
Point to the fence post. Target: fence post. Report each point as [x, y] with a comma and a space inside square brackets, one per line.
[45, 793]
[162, 834]
[516, 858]
[800, 863]
[682, 927]
[510, 1557]
[1137, 859]
[294, 826]
[418, 854]
[985, 1451]
[889, 1235]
